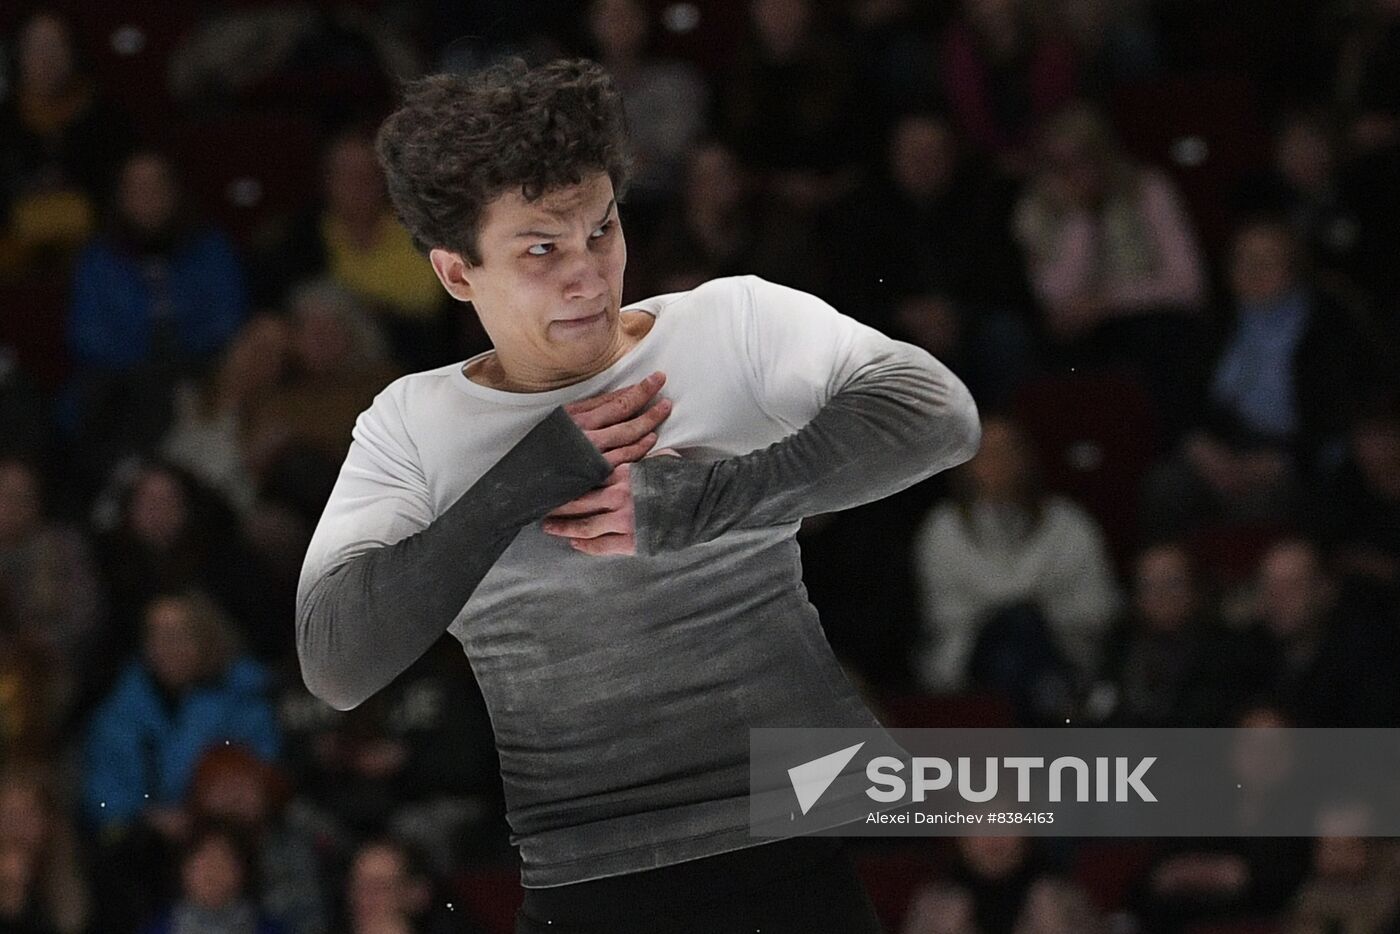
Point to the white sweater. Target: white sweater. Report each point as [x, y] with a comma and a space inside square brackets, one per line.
[966, 569]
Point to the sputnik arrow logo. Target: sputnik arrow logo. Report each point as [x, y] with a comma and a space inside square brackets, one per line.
[811, 779]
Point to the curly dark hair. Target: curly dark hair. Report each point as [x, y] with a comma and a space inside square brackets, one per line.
[459, 141]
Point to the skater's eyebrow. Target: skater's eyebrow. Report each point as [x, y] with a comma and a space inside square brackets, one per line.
[549, 235]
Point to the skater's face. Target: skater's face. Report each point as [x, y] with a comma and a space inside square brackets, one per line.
[548, 288]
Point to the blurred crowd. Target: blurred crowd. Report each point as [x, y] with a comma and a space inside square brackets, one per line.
[1160, 240]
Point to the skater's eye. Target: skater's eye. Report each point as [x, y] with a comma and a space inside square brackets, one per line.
[544, 249]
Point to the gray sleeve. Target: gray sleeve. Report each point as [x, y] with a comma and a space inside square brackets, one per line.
[364, 620]
[904, 417]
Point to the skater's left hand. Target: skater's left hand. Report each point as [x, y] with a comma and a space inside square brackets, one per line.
[602, 521]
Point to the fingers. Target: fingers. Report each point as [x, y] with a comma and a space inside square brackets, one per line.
[615, 522]
[631, 453]
[599, 500]
[618, 406]
[585, 405]
[603, 511]
[609, 407]
[614, 544]
[601, 521]
[632, 430]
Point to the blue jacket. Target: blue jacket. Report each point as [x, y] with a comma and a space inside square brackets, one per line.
[165, 924]
[138, 754]
[109, 324]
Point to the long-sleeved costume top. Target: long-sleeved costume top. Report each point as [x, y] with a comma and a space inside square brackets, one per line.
[622, 689]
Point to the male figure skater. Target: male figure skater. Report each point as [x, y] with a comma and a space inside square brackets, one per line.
[629, 617]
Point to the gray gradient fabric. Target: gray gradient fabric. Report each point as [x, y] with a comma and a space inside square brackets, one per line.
[622, 689]
[402, 597]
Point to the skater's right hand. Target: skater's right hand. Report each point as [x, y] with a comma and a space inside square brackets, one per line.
[620, 423]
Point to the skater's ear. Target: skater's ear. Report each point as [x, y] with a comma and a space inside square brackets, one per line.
[451, 269]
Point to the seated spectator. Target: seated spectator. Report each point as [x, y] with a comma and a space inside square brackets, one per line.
[154, 300]
[1003, 76]
[1324, 663]
[25, 428]
[334, 64]
[190, 690]
[1113, 260]
[1355, 512]
[1115, 41]
[229, 52]
[1332, 207]
[1168, 662]
[929, 257]
[59, 145]
[1016, 582]
[42, 884]
[339, 364]
[216, 888]
[1200, 880]
[31, 698]
[209, 435]
[893, 41]
[791, 106]
[417, 760]
[355, 241]
[389, 892]
[235, 787]
[997, 885]
[273, 538]
[276, 486]
[48, 582]
[939, 908]
[1351, 887]
[1055, 906]
[1051, 907]
[1365, 82]
[713, 232]
[165, 533]
[790, 109]
[665, 100]
[1293, 368]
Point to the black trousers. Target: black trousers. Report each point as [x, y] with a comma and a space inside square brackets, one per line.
[804, 885]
